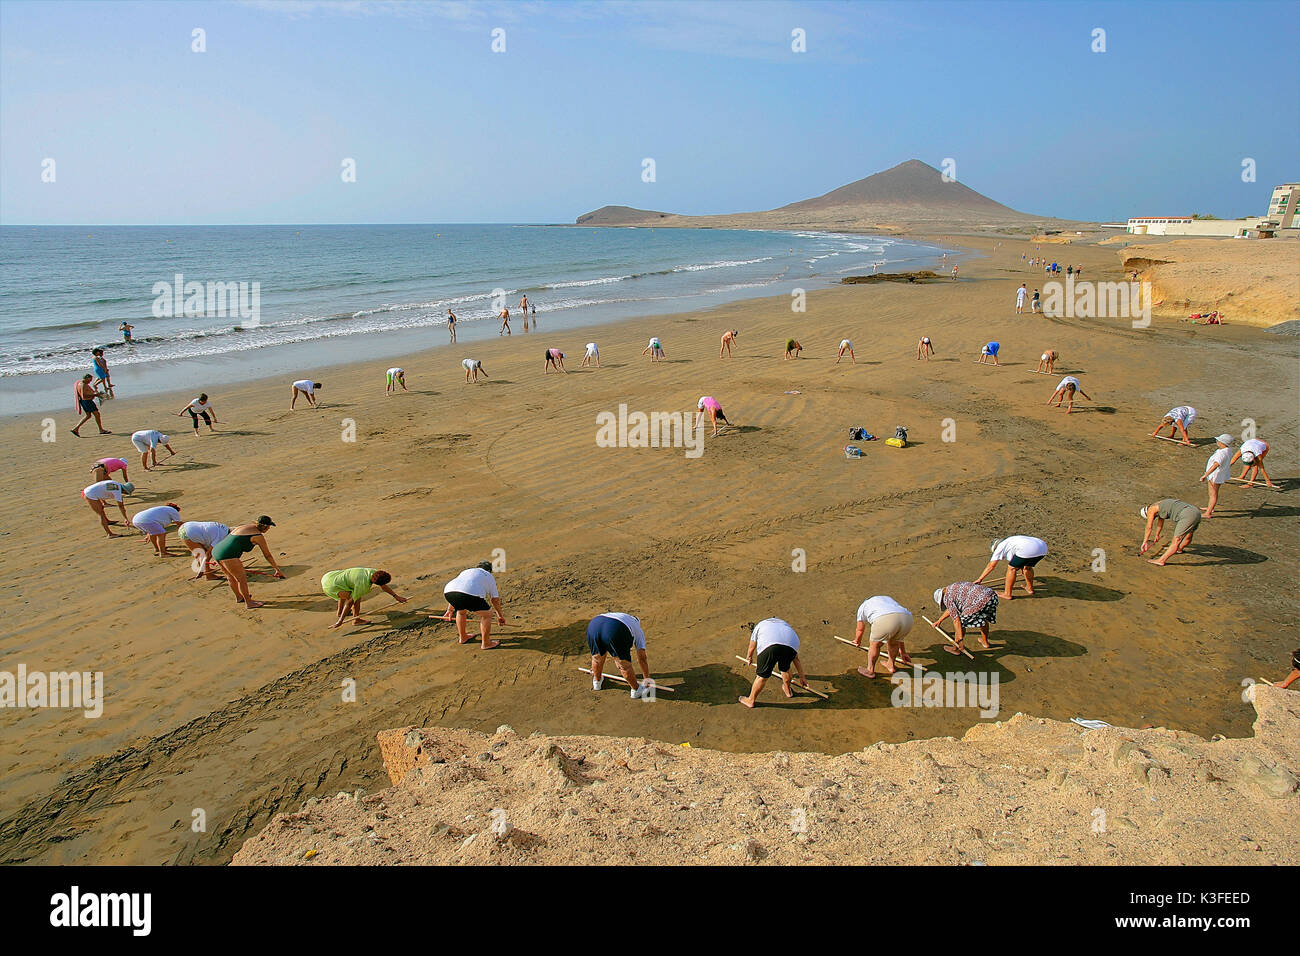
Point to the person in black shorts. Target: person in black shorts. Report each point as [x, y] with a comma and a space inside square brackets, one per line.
[473, 590]
[616, 633]
[777, 646]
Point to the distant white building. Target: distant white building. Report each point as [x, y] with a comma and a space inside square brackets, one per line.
[1281, 215]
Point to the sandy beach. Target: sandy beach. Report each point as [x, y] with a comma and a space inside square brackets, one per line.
[241, 714]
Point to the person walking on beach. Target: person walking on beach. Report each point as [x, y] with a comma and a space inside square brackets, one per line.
[1020, 298]
[395, 377]
[1252, 455]
[890, 622]
[473, 366]
[99, 365]
[1035, 303]
[153, 522]
[655, 349]
[451, 324]
[474, 589]
[1185, 517]
[593, 354]
[104, 468]
[1047, 363]
[125, 328]
[307, 389]
[971, 606]
[95, 495]
[200, 408]
[146, 442]
[846, 345]
[505, 321]
[990, 350]
[924, 348]
[1217, 471]
[84, 394]
[1066, 390]
[229, 553]
[1021, 552]
[1179, 418]
[708, 403]
[350, 588]
[617, 633]
[954, 273]
[523, 305]
[777, 647]
[727, 338]
[200, 537]
[554, 358]
[792, 349]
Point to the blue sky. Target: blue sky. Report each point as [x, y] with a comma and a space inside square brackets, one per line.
[442, 129]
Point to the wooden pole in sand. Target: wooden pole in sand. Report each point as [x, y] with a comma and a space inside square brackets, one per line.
[1176, 441]
[861, 648]
[792, 683]
[620, 677]
[947, 637]
[1255, 484]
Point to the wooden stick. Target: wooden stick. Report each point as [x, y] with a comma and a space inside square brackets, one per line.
[658, 686]
[792, 683]
[1255, 484]
[1176, 441]
[863, 647]
[951, 640]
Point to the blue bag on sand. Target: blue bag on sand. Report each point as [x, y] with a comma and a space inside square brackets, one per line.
[852, 451]
[861, 434]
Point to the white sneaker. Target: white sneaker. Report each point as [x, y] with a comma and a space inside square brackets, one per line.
[596, 684]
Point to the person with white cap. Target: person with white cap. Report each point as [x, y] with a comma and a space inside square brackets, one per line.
[1185, 517]
[593, 354]
[1252, 455]
[1021, 552]
[1179, 418]
[1066, 390]
[474, 589]
[777, 646]
[95, 495]
[617, 633]
[146, 442]
[969, 605]
[1217, 471]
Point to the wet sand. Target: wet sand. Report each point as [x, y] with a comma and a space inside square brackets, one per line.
[241, 714]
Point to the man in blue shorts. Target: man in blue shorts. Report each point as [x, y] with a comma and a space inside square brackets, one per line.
[616, 633]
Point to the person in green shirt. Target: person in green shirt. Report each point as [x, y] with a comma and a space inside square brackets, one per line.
[350, 588]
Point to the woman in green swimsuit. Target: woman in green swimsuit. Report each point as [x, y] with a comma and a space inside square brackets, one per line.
[229, 554]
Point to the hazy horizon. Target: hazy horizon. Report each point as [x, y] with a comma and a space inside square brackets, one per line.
[109, 115]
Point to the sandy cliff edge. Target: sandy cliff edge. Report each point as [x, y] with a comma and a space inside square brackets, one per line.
[1022, 791]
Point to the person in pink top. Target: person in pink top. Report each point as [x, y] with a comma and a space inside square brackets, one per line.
[708, 403]
[106, 466]
[554, 357]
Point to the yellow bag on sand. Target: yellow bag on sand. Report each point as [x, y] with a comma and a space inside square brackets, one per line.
[896, 442]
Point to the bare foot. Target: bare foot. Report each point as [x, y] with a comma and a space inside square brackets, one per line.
[747, 702]
[1005, 596]
[1155, 561]
[866, 673]
[985, 644]
[359, 620]
[785, 687]
[253, 604]
[951, 650]
[491, 644]
[465, 641]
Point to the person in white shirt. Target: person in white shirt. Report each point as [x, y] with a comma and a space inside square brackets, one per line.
[1047, 361]
[617, 633]
[1066, 390]
[146, 443]
[1252, 455]
[1021, 552]
[593, 354]
[395, 377]
[95, 495]
[200, 537]
[153, 522]
[200, 408]
[1020, 298]
[1217, 471]
[1179, 418]
[475, 366]
[846, 345]
[777, 646]
[474, 589]
[307, 389]
[890, 623]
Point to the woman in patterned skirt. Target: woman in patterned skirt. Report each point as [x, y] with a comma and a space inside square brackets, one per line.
[970, 606]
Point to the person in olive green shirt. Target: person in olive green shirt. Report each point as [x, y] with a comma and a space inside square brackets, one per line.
[350, 588]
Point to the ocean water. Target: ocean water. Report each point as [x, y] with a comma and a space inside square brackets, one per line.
[338, 293]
